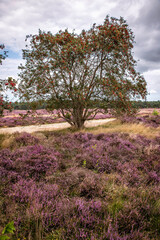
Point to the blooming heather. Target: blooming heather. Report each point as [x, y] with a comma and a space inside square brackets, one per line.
[82, 186]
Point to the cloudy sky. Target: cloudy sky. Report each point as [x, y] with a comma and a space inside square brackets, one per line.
[19, 18]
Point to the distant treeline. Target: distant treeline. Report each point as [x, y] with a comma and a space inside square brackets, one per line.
[147, 104]
[37, 105]
[27, 106]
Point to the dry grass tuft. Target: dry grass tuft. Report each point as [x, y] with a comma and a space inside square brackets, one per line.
[130, 128]
[8, 141]
[2, 137]
[39, 135]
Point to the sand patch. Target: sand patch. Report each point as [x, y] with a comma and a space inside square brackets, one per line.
[51, 127]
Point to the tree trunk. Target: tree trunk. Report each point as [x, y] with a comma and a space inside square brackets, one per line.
[1, 112]
[78, 119]
[79, 124]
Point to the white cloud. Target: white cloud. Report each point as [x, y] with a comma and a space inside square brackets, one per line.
[9, 68]
[153, 81]
[152, 91]
[19, 18]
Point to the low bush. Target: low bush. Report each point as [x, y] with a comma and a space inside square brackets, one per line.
[81, 186]
[155, 112]
[151, 121]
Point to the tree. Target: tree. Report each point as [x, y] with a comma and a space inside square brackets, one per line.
[75, 72]
[5, 85]
[3, 54]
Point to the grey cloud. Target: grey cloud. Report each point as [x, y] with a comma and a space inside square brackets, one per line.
[147, 31]
[19, 18]
[143, 17]
[148, 48]
[152, 55]
[24, 17]
[150, 14]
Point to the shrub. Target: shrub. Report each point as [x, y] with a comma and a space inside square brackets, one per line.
[29, 162]
[108, 189]
[155, 112]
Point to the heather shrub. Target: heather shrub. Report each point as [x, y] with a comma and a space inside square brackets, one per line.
[29, 162]
[129, 119]
[68, 180]
[40, 136]
[83, 220]
[24, 139]
[81, 186]
[150, 121]
[21, 121]
[79, 182]
[25, 119]
[18, 140]
[39, 199]
[103, 152]
[90, 187]
[138, 212]
[68, 146]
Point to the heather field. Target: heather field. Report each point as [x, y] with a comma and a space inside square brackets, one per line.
[102, 183]
[38, 117]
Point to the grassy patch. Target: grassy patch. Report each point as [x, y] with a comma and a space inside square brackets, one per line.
[130, 128]
[2, 138]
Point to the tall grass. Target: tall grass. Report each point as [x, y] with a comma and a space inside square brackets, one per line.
[130, 128]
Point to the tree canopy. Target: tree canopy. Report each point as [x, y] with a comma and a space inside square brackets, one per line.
[76, 72]
[5, 85]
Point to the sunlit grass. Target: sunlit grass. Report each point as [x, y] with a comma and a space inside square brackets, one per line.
[117, 127]
[7, 141]
[111, 127]
[2, 138]
[130, 128]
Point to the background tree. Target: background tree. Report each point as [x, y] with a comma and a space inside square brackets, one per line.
[3, 54]
[75, 72]
[5, 85]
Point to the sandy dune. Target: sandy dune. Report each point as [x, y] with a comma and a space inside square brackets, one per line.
[50, 127]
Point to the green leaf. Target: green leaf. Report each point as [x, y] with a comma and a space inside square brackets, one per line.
[9, 228]
[4, 237]
[84, 163]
